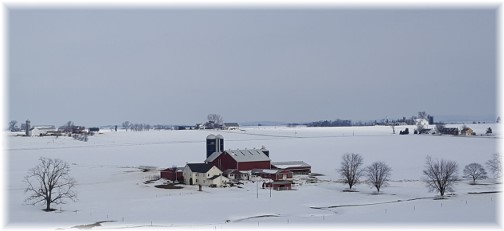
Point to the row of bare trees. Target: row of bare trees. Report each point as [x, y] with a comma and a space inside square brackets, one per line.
[439, 175]
[127, 125]
[377, 174]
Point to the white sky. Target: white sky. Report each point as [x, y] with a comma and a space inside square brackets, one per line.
[170, 66]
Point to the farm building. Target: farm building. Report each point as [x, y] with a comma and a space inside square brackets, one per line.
[450, 131]
[278, 185]
[241, 160]
[466, 132]
[203, 174]
[236, 175]
[231, 126]
[273, 174]
[173, 174]
[41, 130]
[297, 167]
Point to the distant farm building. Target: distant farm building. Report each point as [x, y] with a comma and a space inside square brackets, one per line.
[450, 131]
[174, 174]
[241, 160]
[42, 130]
[466, 131]
[296, 167]
[203, 174]
[231, 126]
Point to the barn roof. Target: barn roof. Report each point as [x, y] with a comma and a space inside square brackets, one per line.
[200, 167]
[246, 155]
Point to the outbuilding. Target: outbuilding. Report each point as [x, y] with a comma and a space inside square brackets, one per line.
[173, 174]
[296, 167]
[273, 174]
[235, 175]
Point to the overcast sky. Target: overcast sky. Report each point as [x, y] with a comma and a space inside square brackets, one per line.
[173, 66]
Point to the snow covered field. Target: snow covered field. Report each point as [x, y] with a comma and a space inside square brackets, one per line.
[111, 184]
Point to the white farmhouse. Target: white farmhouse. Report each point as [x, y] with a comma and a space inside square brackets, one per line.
[203, 174]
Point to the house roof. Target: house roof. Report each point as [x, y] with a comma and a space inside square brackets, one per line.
[199, 167]
[290, 164]
[246, 155]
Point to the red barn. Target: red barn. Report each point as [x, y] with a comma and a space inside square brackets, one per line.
[240, 160]
[173, 174]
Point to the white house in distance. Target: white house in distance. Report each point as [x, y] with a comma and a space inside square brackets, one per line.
[203, 174]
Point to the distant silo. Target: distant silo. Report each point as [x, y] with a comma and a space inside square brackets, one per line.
[214, 144]
[28, 128]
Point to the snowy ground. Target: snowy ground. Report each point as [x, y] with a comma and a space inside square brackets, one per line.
[111, 185]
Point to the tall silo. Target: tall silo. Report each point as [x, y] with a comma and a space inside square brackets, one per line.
[28, 128]
[220, 143]
[211, 144]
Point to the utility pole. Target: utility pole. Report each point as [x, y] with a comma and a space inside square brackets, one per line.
[257, 186]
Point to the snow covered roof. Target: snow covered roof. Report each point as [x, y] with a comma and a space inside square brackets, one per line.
[290, 164]
[245, 155]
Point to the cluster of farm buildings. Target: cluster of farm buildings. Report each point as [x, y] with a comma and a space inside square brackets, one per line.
[222, 167]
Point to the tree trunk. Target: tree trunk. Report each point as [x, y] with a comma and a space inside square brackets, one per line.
[48, 205]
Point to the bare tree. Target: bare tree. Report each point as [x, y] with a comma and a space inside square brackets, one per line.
[351, 168]
[475, 171]
[378, 174]
[126, 125]
[440, 128]
[50, 182]
[215, 118]
[495, 165]
[12, 125]
[68, 126]
[422, 115]
[440, 175]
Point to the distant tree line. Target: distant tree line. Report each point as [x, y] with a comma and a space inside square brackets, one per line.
[330, 123]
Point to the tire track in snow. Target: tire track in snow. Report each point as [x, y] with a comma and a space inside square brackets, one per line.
[369, 204]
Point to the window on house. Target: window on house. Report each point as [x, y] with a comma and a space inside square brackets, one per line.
[196, 180]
